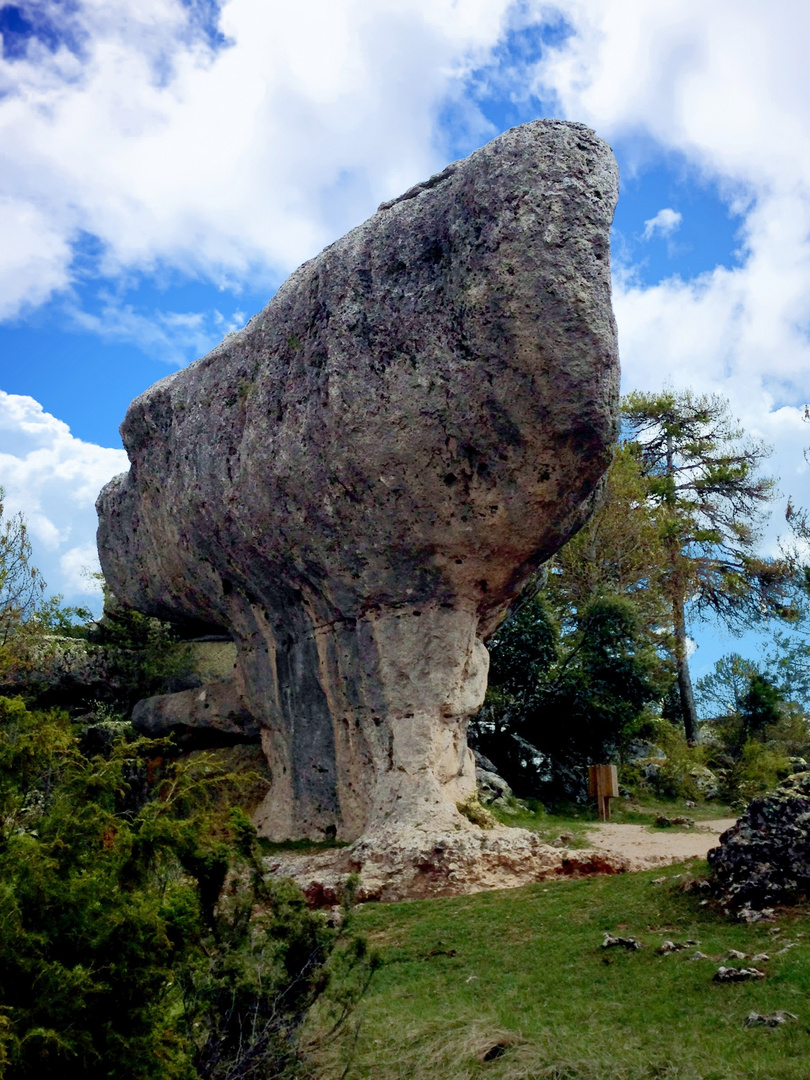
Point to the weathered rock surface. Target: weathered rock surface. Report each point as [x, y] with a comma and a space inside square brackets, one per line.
[213, 707]
[358, 483]
[491, 788]
[764, 858]
[411, 862]
[210, 711]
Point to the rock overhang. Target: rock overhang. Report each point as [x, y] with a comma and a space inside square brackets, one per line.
[359, 482]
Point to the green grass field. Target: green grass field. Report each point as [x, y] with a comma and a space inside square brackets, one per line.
[513, 985]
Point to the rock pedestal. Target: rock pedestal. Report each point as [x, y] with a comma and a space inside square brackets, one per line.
[357, 484]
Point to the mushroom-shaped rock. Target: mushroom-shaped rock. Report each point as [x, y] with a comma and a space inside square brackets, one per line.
[358, 483]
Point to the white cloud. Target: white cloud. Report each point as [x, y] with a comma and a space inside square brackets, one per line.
[724, 83]
[54, 478]
[34, 256]
[241, 161]
[170, 336]
[78, 565]
[664, 223]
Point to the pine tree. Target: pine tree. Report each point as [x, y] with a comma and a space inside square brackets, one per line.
[21, 584]
[703, 479]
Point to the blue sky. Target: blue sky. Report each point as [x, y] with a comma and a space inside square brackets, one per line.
[164, 166]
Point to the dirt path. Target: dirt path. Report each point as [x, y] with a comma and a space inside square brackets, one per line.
[645, 847]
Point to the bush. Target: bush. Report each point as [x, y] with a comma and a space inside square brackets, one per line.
[120, 952]
[679, 773]
[758, 769]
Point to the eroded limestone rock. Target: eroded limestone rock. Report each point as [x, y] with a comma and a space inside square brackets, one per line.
[764, 858]
[212, 707]
[358, 483]
[422, 862]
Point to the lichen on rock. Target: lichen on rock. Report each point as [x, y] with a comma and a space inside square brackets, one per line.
[357, 485]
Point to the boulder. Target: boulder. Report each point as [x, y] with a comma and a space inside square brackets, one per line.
[215, 709]
[765, 857]
[357, 484]
[491, 788]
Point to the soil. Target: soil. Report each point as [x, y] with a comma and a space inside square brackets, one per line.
[644, 847]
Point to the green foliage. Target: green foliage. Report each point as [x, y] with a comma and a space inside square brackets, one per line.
[21, 584]
[757, 770]
[681, 772]
[703, 481]
[721, 692]
[56, 654]
[558, 701]
[142, 655]
[754, 731]
[760, 707]
[787, 664]
[618, 552]
[25, 615]
[138, 936]
[526, 641]
[702, 475]
[473, 811]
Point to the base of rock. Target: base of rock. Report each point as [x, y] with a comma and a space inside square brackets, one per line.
[414, 863]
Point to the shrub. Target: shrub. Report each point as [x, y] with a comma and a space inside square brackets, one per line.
[758, 769]
[120, 953]
[679, 773]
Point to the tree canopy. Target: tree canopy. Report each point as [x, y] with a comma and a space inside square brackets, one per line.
[561, 698]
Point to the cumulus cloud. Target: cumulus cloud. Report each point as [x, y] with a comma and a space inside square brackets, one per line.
[664, 223]
[34, 257]
[238, 152]
[54, 478]
[724, 83]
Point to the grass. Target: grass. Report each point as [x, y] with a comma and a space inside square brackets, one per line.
[513, 985]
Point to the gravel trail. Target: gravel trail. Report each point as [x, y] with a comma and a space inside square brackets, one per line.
[644, 847]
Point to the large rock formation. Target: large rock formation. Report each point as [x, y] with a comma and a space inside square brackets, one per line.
[358, 483]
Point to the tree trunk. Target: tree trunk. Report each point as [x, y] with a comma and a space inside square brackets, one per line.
[688, 710]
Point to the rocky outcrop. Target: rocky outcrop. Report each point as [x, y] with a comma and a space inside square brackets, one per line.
[412, 862]
[215, 708]
[59, 669]
[209, 711]
[491, 788]
[358, 483]
[765, 857]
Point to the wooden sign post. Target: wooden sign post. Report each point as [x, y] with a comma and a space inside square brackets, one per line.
[603, 782]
